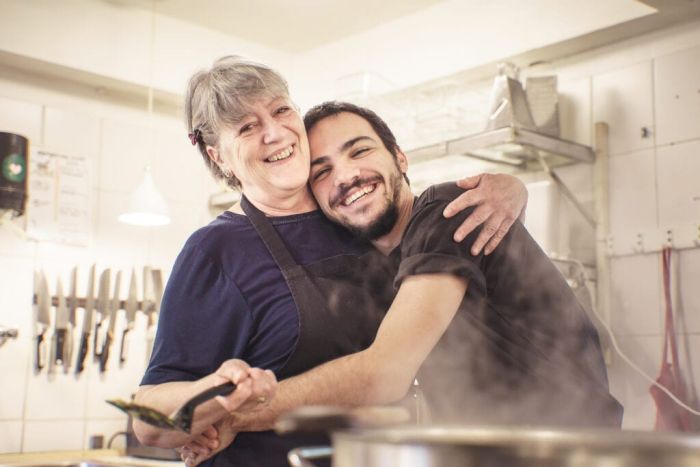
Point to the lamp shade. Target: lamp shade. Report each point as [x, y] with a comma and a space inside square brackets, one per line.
[147, 207]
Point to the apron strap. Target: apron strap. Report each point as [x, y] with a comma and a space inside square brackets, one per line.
[271, 238]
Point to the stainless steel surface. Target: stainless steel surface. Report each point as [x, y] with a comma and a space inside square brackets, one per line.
[511, 136]
[114, 306]
[471, 447]
[42, 307]
[72, 310]
[87, 322]
[102, 308]
[300, 457]
[130, 308]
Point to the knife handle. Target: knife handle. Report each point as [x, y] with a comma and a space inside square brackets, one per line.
[94, 343]
[82, 353]
[40, 352]
[60, 345]
[104, 355]
[123, 347]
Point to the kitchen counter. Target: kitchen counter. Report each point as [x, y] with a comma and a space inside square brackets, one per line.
[108, 456]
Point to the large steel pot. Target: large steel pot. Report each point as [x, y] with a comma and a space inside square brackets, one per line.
[454, 446]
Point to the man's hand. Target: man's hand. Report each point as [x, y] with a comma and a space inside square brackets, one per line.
[255, 390]
[499, 199]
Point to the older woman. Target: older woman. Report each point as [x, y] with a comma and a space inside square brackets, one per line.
[271, 281]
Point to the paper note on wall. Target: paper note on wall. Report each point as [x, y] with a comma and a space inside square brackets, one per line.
[59, 198]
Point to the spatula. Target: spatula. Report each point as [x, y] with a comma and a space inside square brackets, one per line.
[180, 420]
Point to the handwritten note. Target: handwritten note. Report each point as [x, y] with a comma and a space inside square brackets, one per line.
[59, 198]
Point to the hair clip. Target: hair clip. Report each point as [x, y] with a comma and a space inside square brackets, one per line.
[194, 136]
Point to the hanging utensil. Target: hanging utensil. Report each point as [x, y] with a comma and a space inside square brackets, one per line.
[102, 309]
[42, 319]
[58, 339]
[114, 308]
[130, 309]
[180, 420]
[87, 322]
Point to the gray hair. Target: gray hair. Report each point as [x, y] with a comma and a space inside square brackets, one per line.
[221, 96]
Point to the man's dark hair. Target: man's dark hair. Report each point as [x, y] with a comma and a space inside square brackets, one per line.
[331, 108]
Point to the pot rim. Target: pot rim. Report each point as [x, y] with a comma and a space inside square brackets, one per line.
[493, 436]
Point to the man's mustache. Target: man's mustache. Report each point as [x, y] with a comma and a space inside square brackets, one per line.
[343, 190]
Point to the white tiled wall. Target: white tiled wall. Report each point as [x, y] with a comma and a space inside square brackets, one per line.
[623, 99]
[42, 411]
[677, 96]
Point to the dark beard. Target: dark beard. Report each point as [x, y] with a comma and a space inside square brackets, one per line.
[379, 227]
[383, 224]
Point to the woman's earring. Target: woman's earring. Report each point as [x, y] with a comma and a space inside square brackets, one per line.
[227, 173]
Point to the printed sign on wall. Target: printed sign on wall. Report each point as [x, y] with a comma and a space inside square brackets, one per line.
[59, 198]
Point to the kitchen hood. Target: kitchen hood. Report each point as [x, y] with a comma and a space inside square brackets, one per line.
[522, 129]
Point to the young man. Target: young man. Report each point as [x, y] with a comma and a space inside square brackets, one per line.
[503, 337]
[493, 339]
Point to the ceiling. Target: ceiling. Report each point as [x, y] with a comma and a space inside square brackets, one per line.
[289, 25]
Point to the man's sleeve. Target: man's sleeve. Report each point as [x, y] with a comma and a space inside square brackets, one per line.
[203, 321]
[427, 246]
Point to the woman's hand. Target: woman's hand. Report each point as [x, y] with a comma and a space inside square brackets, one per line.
[500, 199]
[254, 387]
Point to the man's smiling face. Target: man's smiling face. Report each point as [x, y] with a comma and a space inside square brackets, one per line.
[354, 177]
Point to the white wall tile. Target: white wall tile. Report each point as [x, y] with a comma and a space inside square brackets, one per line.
[117, 382]
[16, 291]
[679, 183]
[117, 244]
[636, 294]
[125, 151]
[70, 133]
[23, 118]
[11, 437]
[623, 99]
[178, 167]
[15, 356]
[688, 262]
[13, 241]
[167, 241]
[62, 435]
[55, 396]
[632, 192]
[677, 96]
[575, 110]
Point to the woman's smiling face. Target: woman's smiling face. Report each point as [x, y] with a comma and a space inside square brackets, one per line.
[267, 150]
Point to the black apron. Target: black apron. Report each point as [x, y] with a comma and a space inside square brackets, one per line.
[340, 301]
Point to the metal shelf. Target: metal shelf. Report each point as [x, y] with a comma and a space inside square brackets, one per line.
[512, 146]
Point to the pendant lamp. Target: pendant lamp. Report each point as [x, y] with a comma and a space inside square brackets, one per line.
[147, 207]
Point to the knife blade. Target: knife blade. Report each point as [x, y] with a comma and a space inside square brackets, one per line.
[42, 319]
[130, 308]
[72, 311]
[113, 309]
[102, 308]
[87, 322]
[60, 326]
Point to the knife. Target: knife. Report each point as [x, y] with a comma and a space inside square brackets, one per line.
[60, 327]
[113, 309]
[42, 306]
[72, 311]
[102, 307]
[87, 322]
[130, 308]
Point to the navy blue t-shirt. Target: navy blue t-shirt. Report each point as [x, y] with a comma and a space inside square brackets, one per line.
[226, 298]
